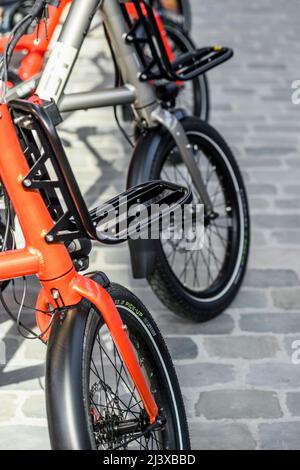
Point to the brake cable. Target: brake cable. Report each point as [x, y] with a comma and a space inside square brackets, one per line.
[38, 12]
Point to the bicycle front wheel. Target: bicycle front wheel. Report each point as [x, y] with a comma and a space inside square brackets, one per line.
[201, 284]
[114, 414]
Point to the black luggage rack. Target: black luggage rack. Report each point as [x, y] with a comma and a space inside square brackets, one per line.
[50, 173]
[145, 31]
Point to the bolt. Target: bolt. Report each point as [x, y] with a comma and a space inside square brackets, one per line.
[27, 183]
[49, 238]
[55, 294]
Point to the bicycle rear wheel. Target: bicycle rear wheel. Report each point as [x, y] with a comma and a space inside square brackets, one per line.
[114, 414]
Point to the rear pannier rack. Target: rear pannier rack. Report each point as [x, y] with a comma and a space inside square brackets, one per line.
[144, 31]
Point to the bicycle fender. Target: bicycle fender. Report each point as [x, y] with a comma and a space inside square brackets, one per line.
[142, 251]
[67, 417]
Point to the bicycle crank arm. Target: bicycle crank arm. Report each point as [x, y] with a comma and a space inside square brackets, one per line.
[170, 122]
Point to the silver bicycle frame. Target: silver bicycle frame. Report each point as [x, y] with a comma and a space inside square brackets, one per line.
[139, 94]
[61, 62]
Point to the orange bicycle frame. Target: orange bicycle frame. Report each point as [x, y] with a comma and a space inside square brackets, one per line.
[33, 61]
[52, 263]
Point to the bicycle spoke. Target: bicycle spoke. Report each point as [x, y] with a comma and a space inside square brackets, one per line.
[110, 403]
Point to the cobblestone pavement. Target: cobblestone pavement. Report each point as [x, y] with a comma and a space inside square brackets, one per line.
[241, 388]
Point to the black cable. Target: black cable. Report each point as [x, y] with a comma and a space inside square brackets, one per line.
[12, 316]
[125, 134]
[38, 11]
[46, 312]
[14, 36]
[20, 325]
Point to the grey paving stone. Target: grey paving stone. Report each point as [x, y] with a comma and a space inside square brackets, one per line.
[204, 374]
[258, 238]
[278, 323]
[250, 299]
[259, 189]
[259, 204]
[292, 189]
[287, 299]
[269, 221]
[293, 403]
[288, 203]
[35, 407]
[8, 406]
[292, 347]
[22, 378]
[262, 278]
[24, 438]
[270, 152]
[11, 346]
[294, 163]
[275, 375]
[170, 324]
[277, 177]
[35, 350]
[244, 347]
[287, 237]
[236, 404]
[280, 436]
[252, 163]
[189, 406]
[182, 348]
[219, 436]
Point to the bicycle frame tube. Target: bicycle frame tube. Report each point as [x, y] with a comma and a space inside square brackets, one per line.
[31, 65]
[146, 105]
[64, 55]
[52, 263]
[65, 52]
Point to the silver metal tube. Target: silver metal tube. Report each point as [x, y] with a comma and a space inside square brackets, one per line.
[78, 22]
[126, 55]
[65, 52]
[98, 99]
